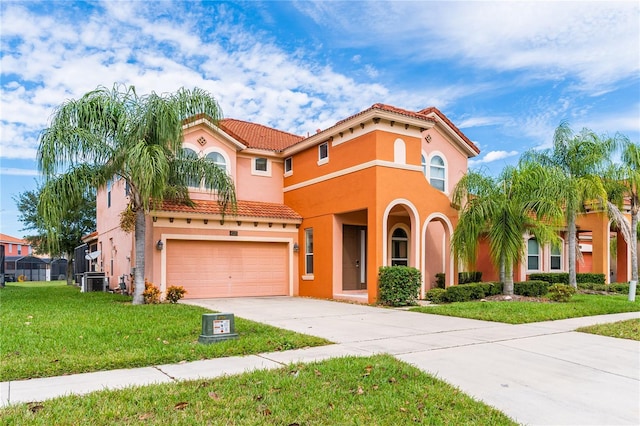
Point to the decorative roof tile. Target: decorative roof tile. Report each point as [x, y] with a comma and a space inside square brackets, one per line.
[258, 136]
[255, 209]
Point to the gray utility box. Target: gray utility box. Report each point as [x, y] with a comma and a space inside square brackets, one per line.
[217, 327]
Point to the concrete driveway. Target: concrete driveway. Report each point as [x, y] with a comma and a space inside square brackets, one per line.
[541, 373]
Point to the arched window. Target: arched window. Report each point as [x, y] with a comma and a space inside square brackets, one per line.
[399, 152]
[533, 255]
[399, 248]
[217, 159]
[191, 155]
[423, 163]
[437, 173]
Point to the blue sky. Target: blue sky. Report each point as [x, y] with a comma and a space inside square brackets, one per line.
[506, 73]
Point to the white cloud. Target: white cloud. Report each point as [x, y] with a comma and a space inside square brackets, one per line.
[9, 171]
[492, 156]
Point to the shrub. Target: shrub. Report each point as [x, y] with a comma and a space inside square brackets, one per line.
[399, 285]
[469, 277]
[175, 293]
[550, 277]
[531, 288]
[619, 287]
[563, 277]
[436, 295]
[440, 280]
[561, 292]
[151, 293]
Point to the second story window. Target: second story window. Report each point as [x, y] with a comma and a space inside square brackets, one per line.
[261, 164]
[19, 249]
[217, 159]
[437, 173]
[288, 165]
[109, 184]
[191, 155]
[323, 153]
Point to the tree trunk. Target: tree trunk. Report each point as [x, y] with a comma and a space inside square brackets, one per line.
[502, 266]
[69, 269]
[571, 228]
[138, 277]
[507, 287]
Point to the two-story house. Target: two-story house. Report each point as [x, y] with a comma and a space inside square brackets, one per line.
[316, 216]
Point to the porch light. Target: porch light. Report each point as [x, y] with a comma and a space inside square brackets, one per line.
[296, 247]
[160, 245]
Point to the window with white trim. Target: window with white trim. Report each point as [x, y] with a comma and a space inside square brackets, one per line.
[423, 163]
[190, 154]
[260, 164]
[323, 153]
[308, 251]
[533, 255]
[109, 185]
[555, 263]
[399, 248]
[437, 173]
[288, 165]
[217, 159]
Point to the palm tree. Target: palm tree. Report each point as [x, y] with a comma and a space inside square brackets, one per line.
[504, 209]
[114, 132]
[577, 160]
[623, 183]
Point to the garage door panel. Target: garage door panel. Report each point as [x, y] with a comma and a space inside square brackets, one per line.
[228, 268]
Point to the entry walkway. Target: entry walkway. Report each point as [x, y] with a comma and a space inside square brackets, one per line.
[541, 373]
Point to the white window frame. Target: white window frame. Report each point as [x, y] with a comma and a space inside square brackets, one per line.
[323, 160]
[559, 255]
[537, 255]
[227, 163]
[308, 252]
[424, 164]
[289, 171]
[254, 169]
[407, 232]
[445, 167]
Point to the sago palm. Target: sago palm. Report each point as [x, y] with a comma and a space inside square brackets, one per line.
[114, 132]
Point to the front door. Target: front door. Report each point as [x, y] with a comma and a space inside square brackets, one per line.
[354, 258]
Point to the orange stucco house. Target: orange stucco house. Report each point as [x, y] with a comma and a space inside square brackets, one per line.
[316, 216]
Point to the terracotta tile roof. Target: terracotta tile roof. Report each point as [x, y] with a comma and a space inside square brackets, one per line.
[9, 239]
[389, 108]
[244, 208]
[444, 118]
[258, 136]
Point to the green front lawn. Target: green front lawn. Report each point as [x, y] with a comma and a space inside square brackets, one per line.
[378, 390]
[629, 329]
[51, 329]
[515, 312]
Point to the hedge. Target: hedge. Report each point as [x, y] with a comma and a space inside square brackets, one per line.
[613, 288]
[531, 288]
[398, 285]
[563, 277]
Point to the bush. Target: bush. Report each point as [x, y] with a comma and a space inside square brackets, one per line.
[561, 292]
[151, 293]
[563, 277]
[440, 280]
[175, 293]
[399, 285]
[469, 277]
[531, 288]
[619, 288]
[436, 295]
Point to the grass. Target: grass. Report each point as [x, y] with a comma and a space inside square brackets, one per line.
[378, 390]
[629, 329]
[514, 312]
[51, 329]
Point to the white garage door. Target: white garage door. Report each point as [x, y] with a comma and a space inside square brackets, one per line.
[228, 268]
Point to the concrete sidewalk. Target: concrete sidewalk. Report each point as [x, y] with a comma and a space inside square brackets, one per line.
[541, 373]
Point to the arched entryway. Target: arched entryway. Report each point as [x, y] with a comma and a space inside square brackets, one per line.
[401, 242]
[437, 258]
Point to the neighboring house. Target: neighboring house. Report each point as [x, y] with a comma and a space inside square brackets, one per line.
[602, 249]
[316, 216]
[15, 246]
